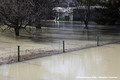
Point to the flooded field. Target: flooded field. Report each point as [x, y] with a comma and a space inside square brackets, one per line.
[93, 63]
[101, 63]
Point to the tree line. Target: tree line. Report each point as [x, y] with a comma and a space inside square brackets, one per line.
[21, 13]
[108, 13]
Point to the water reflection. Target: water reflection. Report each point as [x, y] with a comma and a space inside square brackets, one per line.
[102, 61]
[80, 25]
[75, 31]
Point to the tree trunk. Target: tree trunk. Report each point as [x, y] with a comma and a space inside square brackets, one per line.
[87, 16]
[16, 31]
[86, 20]
[86, 24]
[38, 26]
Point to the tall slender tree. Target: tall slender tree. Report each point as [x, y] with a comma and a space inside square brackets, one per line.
[87, 11]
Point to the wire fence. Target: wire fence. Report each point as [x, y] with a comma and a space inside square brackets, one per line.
[22, 52]
[56, 41]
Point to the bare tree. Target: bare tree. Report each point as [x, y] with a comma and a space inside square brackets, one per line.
[20, 13]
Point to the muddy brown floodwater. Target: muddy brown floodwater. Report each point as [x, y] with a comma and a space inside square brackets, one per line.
[101, 63]
[98, 63]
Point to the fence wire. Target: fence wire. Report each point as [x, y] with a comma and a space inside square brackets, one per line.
[10, 54]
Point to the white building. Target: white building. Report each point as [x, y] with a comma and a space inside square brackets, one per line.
[65, 9]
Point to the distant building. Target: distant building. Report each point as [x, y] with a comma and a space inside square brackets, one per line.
[67, 10]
